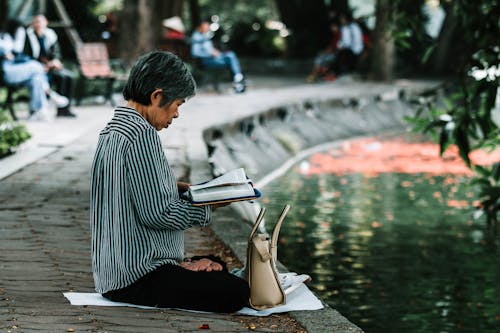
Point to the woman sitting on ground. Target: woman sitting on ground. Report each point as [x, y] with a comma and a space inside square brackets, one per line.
[137, 216]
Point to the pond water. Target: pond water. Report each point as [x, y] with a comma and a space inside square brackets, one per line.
[392, 252]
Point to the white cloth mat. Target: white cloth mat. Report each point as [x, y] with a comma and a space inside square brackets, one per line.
[301, 298]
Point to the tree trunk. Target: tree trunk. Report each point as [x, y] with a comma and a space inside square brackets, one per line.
[140, 25]
[307, 22]
[194, 11]
[339, 6]
[440, 60]
[383, 43]
[4, 10]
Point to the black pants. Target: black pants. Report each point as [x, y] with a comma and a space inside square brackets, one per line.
[63, 82]
[171, 286]
[345, 62]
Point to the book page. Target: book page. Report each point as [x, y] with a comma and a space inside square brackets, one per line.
[233, 177]
[222, 193]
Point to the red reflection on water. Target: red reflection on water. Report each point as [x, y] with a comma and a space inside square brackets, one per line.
[373, 156]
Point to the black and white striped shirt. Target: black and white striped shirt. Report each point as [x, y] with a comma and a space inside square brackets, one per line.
[137, 219]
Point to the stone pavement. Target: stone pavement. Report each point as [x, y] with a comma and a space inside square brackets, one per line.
[44, 234]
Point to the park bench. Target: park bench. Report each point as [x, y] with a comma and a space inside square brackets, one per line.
[207, 75]
[11, 93]
[94, 65]
[203, 75]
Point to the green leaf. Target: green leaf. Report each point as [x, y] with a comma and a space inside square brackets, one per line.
[462, 142]
[443, 142]
[482, 171]
[434, 123]
[427, 53]
[495, 171]
[448, 103]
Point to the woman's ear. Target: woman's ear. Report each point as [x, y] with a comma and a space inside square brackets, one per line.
[156, 96]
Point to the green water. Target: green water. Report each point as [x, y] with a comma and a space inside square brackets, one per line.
[389, 252]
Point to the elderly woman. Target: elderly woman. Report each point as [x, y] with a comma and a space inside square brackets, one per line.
[137, 216]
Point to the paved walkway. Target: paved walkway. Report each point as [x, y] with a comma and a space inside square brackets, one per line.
[44, 233]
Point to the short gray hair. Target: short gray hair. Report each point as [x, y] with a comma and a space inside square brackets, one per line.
[159, 70]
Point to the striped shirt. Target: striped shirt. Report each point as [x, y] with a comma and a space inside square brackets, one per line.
[137, 219]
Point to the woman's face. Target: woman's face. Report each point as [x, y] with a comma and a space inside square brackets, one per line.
[161, 117]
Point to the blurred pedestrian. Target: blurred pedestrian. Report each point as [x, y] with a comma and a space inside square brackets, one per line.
[174, 38]
[42, 45]
[203, 48]
[137, 215]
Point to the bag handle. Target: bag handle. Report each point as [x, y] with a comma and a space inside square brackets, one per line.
[276, 230]
[260, 217]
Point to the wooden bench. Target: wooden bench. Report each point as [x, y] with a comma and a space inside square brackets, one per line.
[94, 65]
[11, 90]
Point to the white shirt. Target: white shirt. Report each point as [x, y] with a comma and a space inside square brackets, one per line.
[356, 38]
[6, 44]
[351, 38]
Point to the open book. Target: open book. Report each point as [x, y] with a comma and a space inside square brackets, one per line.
[231, 186]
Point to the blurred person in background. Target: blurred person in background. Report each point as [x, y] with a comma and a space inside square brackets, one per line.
[174, 28]
[324, 60]
[350, 45]
[18, 69]
[42, 45]
[203, 49]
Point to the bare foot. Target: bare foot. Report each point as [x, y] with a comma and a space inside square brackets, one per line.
[202, 265]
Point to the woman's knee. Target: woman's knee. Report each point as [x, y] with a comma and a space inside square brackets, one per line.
[239, 292]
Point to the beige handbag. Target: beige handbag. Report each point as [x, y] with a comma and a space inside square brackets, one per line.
[261, 273]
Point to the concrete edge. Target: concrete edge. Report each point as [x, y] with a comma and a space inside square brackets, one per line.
[15, 162]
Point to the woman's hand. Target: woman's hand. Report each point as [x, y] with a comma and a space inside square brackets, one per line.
[55, 64]
[202, 265]
[182, 186]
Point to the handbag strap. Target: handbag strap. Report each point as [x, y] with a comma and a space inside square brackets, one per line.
[257, 222]
[261, 244]
[276, 230]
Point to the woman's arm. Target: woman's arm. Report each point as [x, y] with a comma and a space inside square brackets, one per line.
[154, 188]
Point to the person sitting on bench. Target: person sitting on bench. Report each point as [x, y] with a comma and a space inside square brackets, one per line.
[42, 45]
[19, 70]
[203, 48]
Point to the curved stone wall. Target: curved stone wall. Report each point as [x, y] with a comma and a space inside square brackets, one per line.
[263, 142]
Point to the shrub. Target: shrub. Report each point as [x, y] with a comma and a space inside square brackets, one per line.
[12, 134]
